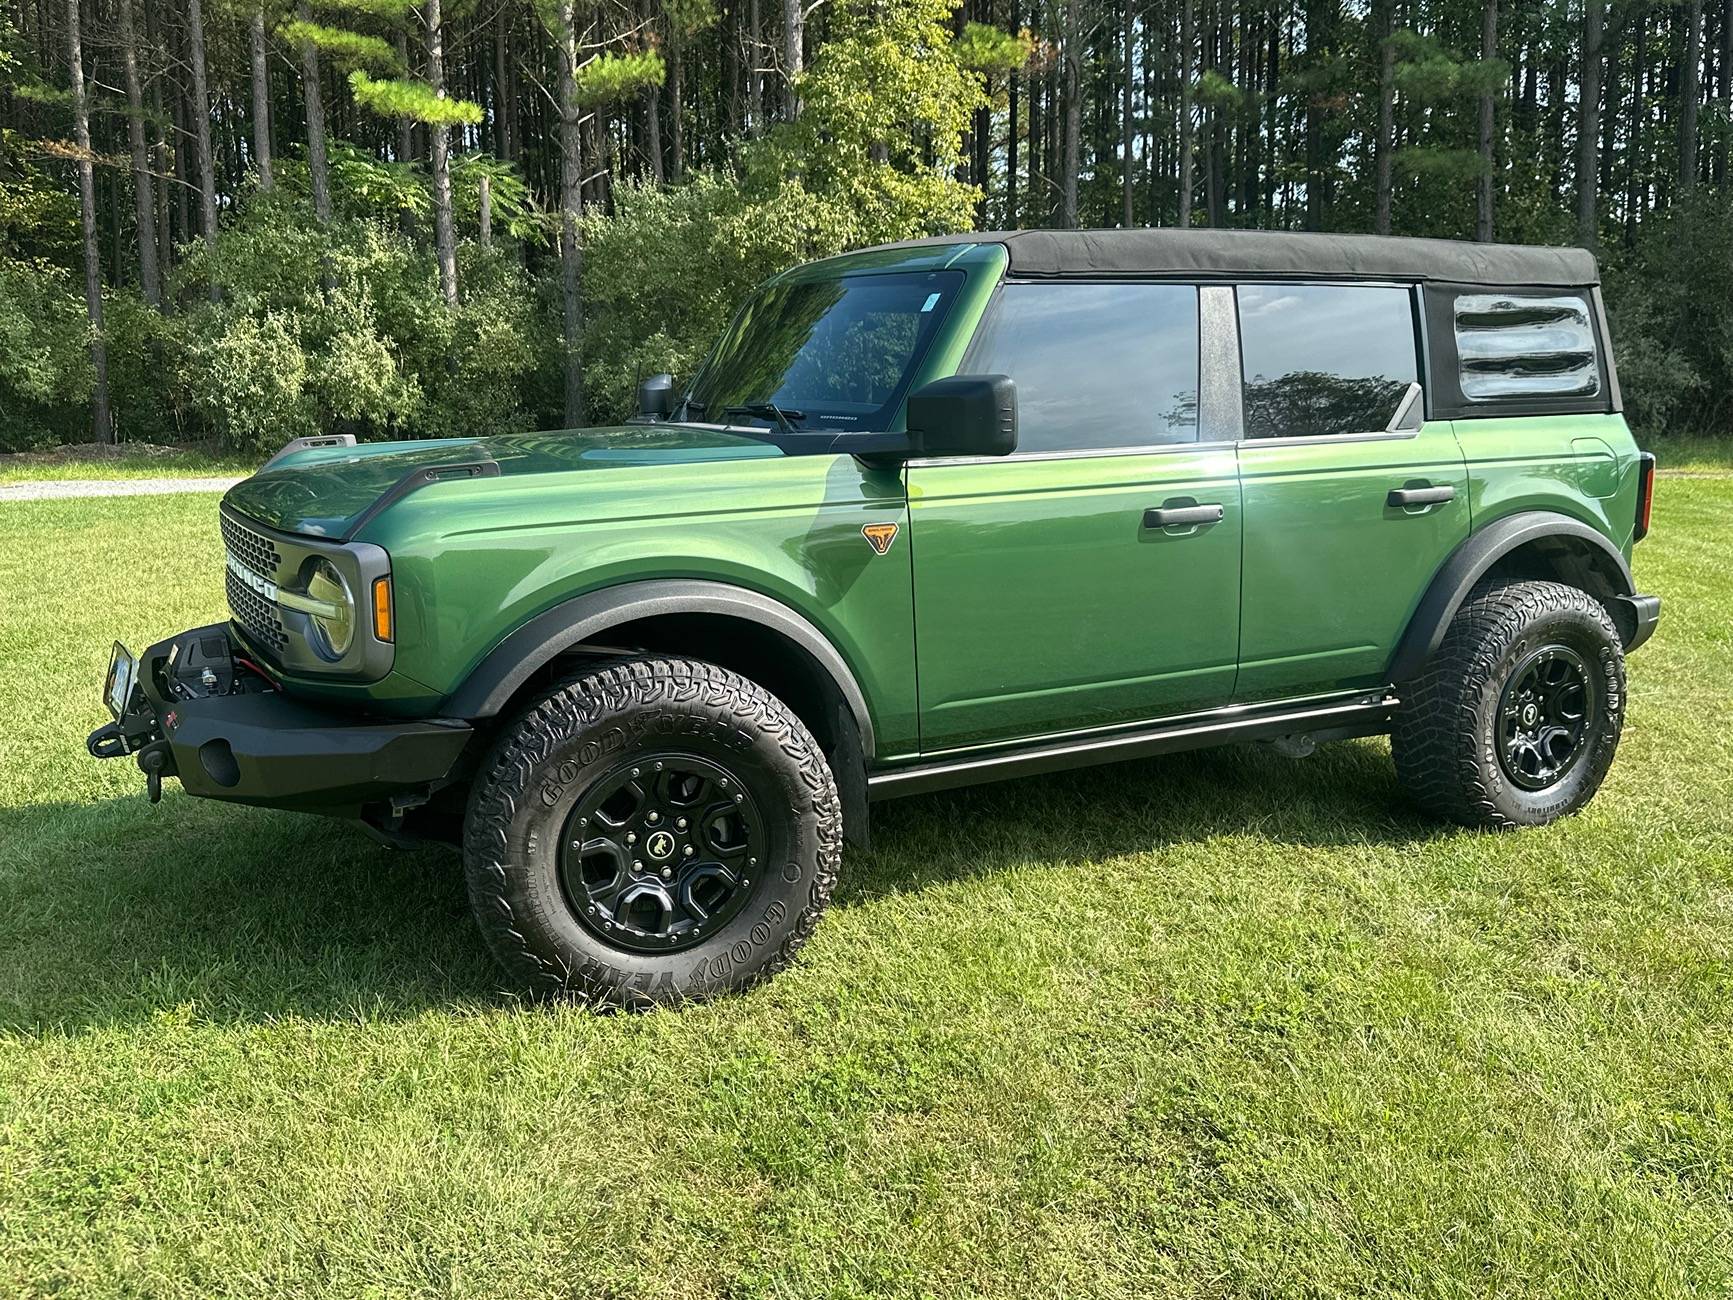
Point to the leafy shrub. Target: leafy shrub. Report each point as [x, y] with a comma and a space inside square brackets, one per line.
[1667, 300]
[248, 377]
[45, 370]
[145, 352]
[350, 323]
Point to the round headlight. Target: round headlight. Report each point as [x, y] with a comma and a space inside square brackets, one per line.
[332, 634]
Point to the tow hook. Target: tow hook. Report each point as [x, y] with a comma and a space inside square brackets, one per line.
[107, 741]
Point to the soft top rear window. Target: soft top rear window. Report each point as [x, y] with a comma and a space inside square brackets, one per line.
[1525, 345]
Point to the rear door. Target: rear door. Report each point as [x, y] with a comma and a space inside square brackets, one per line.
[1047, 599]
[1353, 499]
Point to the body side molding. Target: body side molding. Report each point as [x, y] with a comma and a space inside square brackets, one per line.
[531, 647]
[1471, 561]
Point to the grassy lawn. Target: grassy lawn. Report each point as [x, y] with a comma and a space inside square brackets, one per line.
[1220, 1024]
[122, 462]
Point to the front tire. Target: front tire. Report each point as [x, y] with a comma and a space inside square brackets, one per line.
[1516, 717]
[652, 831]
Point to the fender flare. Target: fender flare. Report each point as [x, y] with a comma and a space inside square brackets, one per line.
[1471, 561]
[504, 669]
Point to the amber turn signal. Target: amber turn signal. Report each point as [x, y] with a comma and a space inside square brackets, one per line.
[382, 608]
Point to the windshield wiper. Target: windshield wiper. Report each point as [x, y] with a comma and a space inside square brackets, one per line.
[783, 415]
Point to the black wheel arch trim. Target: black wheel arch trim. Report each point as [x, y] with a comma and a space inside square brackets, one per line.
[491, 685]
[1474, 558]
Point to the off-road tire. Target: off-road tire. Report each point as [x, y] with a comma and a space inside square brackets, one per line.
[563, 744]
[1446, 740]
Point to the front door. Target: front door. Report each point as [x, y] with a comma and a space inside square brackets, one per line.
[1048, 596]
[1352, 499]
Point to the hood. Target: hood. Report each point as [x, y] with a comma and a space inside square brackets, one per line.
[324, 491]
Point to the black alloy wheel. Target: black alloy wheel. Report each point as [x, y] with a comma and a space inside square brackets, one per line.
[1515, 718]
[1545, 713]
[651, 831]
[661, 850]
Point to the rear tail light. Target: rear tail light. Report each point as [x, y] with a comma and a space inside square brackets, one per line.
[1645, 494]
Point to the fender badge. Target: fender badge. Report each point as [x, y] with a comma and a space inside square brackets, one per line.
[879, 536]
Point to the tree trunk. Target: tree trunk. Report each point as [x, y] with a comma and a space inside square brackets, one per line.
[202, 132]
[1636, 182]
[143, 195]
[1484, 190]
[1012, 87]
[1724, 154]
[501, 90]
[183, 221]
[159, 153]
[571, 210]
[484, 201]
[793, 54]
[676, 110]
[754, 69]
[1610, 101]
[439, 150]
[651, 99]
[261, 99]
[102, 421]
[1320, 35]
[1187, 40]
[1072, 91]
[405, 127]
[1036, 191]
[1215, 161]
[1127, 134]
[1589, 123]
[318, 170]
[1689, 73]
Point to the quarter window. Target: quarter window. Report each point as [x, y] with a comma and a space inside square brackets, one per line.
[1096, 365]
[1322, 360]
[1516, 346]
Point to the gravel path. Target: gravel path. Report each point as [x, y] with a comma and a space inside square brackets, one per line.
[58, 488]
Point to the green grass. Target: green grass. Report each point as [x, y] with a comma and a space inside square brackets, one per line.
[1691, 455]
[1221, 1024]
[123, 463]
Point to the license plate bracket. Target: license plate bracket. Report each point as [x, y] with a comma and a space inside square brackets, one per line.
[120, 683]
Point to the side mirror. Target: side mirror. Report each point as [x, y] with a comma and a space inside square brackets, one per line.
[965, 415]
[656, 397]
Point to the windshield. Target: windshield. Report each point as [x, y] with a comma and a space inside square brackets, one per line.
[824, 354]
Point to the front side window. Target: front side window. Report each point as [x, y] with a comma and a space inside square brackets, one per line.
[828, 354]
[1323, 360]
[1525, 346]
[1096, 366]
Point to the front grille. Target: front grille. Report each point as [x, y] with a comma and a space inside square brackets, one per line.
[253, 551]
[256, 615]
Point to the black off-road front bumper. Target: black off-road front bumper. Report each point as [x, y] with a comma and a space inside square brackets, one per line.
[255, 745]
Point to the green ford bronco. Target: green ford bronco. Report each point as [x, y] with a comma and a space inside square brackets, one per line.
[932, 514]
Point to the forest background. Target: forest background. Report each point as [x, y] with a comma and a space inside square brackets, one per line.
[231, 223]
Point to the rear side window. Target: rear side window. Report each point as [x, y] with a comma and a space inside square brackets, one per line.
[1524, 346]
[1324, 360]
[1097, 366]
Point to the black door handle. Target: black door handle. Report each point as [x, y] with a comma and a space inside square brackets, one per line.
[1423, 496]
[1177, 516]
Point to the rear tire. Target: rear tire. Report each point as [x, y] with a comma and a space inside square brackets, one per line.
[653, 831]
[1516, 717]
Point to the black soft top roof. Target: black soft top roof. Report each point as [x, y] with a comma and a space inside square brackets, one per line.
[1257, 252]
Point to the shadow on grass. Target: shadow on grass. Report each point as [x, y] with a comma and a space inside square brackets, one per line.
[116, 912]
[1343, 794]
